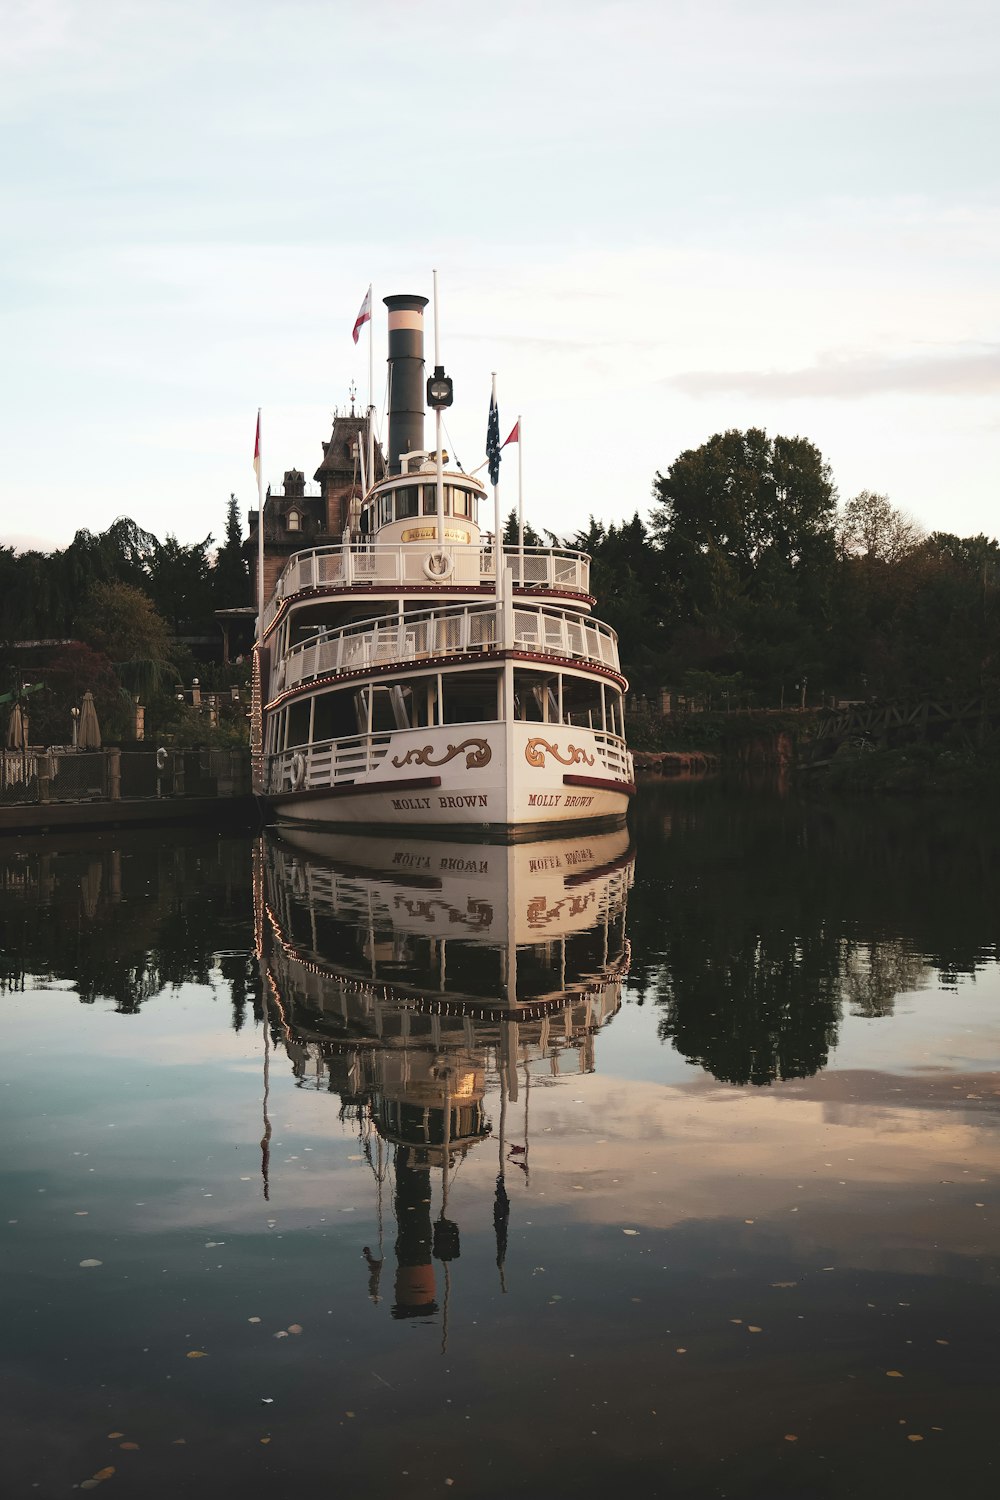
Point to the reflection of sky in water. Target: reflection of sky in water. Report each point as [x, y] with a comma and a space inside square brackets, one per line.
[849, 1215]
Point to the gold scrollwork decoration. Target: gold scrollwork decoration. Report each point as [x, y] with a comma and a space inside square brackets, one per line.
[477, 755]
[534, 753]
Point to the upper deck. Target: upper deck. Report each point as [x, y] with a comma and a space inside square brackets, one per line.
[362, 567]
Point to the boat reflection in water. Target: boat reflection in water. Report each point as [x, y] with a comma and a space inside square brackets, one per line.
[411, 978]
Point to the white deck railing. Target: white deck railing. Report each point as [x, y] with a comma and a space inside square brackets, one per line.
[335, 762]
[359, 566]
[446, 632]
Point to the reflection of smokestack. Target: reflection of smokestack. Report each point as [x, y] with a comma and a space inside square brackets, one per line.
[406, 376]
[414, 1268]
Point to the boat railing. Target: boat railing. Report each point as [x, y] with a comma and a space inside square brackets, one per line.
[326, 763]
[340, 761]
[356, 565]
[614, 755]
[402, 639]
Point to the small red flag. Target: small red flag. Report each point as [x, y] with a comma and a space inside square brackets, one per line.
[256, 450]
[514, 435]
[364, 315]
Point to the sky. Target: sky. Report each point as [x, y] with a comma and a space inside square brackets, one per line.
[654, 219]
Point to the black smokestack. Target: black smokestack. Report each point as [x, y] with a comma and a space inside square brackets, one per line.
[406, 376]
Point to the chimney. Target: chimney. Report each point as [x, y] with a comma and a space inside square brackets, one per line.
[406, 376]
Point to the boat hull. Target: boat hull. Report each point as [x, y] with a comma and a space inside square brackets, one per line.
[469, 780]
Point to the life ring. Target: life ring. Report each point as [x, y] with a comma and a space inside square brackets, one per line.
[438, 565]
[298, 772]
[161, 758]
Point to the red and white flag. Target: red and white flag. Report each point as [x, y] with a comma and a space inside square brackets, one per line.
[364, 316]
[515, 433]
[256, 451]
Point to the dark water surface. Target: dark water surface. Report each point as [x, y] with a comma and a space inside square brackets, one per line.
[550, 1173]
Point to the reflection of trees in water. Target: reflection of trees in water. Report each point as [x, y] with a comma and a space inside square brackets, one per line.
[756, 921]
[875, 973]
[125, 916]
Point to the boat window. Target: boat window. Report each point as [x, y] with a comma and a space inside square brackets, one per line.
[298, 723]
[461, 502]
[407, 502]
[536, 698]
[430, 500]
[335, 716]
[470, 697]
[582, 703]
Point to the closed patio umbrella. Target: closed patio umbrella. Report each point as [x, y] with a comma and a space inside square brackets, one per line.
[89, 736]
[17, 728]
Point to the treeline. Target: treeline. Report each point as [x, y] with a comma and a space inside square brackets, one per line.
[124, 601]
[751, 585]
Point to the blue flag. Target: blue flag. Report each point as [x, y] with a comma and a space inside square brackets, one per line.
[493, 441]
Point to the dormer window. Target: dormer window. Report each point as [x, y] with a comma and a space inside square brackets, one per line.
[294, 521]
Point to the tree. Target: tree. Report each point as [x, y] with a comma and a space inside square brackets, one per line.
[531, 537]
[179, 584]
[120, 621]
[230, 575]
[744, 531]
[870, 527]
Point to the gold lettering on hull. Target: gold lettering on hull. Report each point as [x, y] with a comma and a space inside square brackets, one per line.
[534, 753]
[429, 534]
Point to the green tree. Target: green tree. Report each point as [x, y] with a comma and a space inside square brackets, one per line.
[179, 585]
[744, 532]
[230, 576]
[870, 527]
[121, 621]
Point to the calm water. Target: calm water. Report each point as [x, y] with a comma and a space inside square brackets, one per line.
[588, 1169]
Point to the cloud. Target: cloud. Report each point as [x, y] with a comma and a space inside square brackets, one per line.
[973, 373]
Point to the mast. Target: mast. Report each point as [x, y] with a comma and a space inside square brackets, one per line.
[437, 422]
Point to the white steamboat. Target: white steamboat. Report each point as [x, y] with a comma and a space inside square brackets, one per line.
[420, 675]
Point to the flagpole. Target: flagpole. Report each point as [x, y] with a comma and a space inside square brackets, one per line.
[371, 394]
[260, 538]
[497, 528]
[520, 500]
[371, 376]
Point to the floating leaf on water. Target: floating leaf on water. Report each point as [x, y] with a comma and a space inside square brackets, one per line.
[105, 1473]
[253, 1320]
[940, 1341]
[82, 1213]
[281, 1334]
[680, 1351]
[348, 1414]
[784, 1283]
[295, 1328]
[753, 1328]
[267, 1400]
[736, 1320]
[790, 1437]
[895, 1374]
[748, 1221]
[91, 1262]
[180, 1442]
[630, 1231]
[914, 1437]
[196, 1354]
[133, 1447]
[116, 1434]
[213, 1244]
[265, 1440]
[90, 1484]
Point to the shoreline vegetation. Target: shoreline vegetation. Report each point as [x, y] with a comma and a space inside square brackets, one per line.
[703, 744]
[748, 596]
